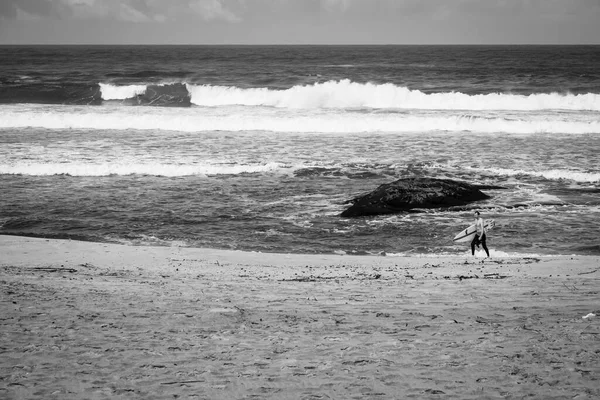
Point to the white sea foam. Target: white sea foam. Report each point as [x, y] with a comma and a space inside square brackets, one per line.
[114, 92]
[237, 119]
[553, 174]
[466, 255]
[347, 94]
[155, 169]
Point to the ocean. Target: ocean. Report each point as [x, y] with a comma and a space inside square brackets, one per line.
[257, 148]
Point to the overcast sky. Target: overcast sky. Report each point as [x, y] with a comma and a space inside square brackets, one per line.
[299, 21]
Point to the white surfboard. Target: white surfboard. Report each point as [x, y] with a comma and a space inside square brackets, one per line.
[466, 235]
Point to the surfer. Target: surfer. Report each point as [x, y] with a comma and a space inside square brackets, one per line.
[480, 235]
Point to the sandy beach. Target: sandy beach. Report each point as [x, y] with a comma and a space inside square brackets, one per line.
[84, 320]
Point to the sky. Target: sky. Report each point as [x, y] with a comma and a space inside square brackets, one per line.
[299, 21]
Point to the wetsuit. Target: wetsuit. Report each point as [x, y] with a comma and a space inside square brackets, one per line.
[477, 241]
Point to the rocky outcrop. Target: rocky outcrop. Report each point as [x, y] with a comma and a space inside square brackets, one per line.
[409, 193]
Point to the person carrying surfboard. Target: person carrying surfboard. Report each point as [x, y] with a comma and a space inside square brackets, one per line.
[480, 237]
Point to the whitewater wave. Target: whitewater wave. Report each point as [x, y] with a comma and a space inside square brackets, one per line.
[342, 94]
[77, 168]
[348, 94]
[553, 174]
[166, 94]
[114, 92]
[150, 169]
[237, 119]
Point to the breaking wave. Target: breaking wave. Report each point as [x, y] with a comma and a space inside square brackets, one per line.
[554, 174]
[342, 94]
[237, 119]
[113, 92]
[347, 94]
[172, 94]
[150, 169]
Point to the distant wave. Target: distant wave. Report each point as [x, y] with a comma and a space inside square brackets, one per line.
[347, 94]
[352, 95]
[342, 94]
[236, 119]
[151, 169]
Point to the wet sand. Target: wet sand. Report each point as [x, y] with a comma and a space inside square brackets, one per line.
[101, 321]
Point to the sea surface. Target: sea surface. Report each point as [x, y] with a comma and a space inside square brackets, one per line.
[258, 147]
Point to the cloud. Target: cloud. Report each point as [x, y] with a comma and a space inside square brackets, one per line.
[303, 21]
[213, 10]
[8, 10]
[334, 5]
[445, 8]
[128, 13]
[12, 9]
[137, 11]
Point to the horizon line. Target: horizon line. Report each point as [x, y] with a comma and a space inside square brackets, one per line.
[300, 44]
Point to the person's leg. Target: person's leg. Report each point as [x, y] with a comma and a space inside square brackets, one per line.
[484, 245]
[473, 243]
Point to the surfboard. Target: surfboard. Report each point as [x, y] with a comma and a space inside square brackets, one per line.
[466, 235]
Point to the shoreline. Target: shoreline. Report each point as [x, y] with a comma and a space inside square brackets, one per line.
[479, 253]
[99, 320]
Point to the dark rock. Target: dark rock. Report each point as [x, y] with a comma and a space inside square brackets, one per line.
[409, 193]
